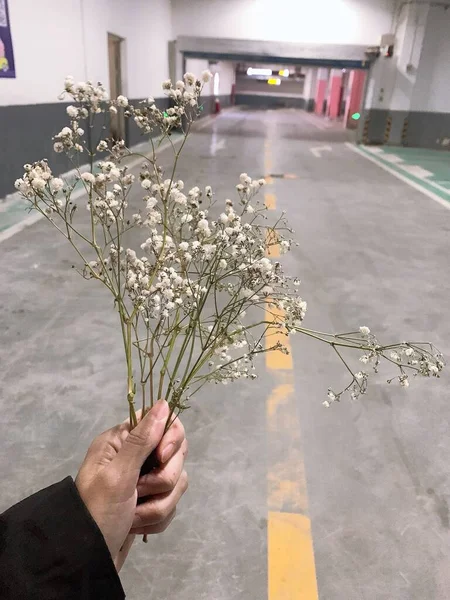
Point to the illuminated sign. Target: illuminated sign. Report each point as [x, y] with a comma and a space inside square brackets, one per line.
[263, 72]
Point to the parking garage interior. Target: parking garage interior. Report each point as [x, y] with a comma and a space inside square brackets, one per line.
[342, 106]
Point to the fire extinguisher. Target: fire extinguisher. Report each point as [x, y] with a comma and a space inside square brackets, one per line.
[217, 106]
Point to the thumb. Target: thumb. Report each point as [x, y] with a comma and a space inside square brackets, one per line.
[144, 438]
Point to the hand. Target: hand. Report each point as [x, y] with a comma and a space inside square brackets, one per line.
[109, 483]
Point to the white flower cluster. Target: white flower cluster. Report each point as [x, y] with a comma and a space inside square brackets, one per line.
[69, 138]
[155, 293]
[414, 360]
[184, 96]
[108, 192]
[233, 246]
[91, 97]
[38, 182]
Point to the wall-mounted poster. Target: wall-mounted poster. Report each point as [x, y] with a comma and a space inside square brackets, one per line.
[7, 68]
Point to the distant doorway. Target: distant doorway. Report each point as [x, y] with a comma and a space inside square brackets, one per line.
[117, 122]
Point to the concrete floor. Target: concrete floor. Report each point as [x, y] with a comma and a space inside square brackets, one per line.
[372, 252]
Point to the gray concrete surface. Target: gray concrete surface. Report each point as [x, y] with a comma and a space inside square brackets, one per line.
[372, 252]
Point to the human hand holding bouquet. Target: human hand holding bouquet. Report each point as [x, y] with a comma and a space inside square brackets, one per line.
[190, 275]
[109, 481]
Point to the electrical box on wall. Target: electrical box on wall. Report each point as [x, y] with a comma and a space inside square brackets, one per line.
[387, 45]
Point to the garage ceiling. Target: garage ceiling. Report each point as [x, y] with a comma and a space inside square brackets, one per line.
[282, 53]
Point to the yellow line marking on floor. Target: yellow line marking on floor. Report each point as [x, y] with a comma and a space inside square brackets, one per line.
[267, 161]
[278, 397]
[290, 555]
[286, 476]
[277, 360]
[270, 200]
[291, 558]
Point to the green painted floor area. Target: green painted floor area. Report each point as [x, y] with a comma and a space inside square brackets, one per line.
[12, 212]
[15, 209]
[428, 168]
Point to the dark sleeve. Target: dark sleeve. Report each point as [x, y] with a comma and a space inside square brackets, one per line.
[52, 549]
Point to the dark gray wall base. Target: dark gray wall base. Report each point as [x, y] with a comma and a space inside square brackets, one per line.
[428, 130]
[26, 134]
[310, 105]
[376, 128]
[133, 135]
[269, 101]
[209, 104]
[397, 124]
[414, 129]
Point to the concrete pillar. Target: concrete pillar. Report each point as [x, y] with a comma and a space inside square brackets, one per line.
[354, 100]
[321, 90]
[309, 90]
[393, 79]
[334, 93]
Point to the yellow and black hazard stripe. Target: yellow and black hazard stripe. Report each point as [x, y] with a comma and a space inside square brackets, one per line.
[387, 130]
[405, 132]
[365, 135]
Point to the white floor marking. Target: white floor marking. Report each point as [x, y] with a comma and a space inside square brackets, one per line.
[34, 217]
[392, 158]
[438, 187]
[374, 149]
[415, 170]
[403, 178]
[317, 151]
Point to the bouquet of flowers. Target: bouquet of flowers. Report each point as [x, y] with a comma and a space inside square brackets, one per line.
[191, 277]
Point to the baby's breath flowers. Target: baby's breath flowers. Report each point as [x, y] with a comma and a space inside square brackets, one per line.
[411, 360]
[198, 296]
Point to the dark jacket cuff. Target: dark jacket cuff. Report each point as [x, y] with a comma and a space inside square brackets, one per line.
[51, 547]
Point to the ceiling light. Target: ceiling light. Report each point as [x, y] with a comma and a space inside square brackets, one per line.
[263, 72]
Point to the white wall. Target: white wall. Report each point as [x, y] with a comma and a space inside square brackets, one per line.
[76, 44]
[227, 72]
[42, 59]
[197, 66]
[432, 90]
[309, 91]
[417, 78]
[319, 21]
[225, 69]
[148, 36]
